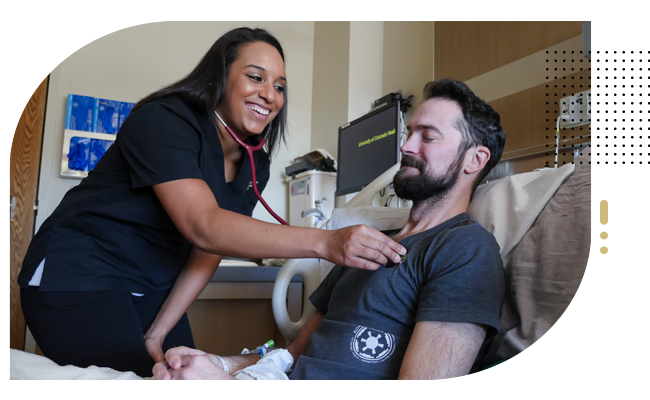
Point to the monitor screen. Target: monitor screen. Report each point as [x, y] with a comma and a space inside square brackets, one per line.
[368, 146]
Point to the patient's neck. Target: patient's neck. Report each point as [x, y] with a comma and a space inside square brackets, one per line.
[429, 214]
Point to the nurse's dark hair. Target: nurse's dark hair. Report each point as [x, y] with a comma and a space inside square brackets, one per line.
[480, 125]
[205, 86]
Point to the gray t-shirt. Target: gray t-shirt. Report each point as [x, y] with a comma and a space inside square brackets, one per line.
[453, 273]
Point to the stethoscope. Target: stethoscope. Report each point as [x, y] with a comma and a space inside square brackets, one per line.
[250, 150]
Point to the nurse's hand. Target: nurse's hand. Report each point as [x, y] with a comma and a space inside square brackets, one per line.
[186, 363]
[360, 246]
[154, 348]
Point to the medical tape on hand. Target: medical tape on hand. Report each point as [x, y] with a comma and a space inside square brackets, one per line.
[225, 365]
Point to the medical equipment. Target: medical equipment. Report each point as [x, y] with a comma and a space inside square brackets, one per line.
[261, 350]
[311, 198]
[402, 258]
[275, 366]
[250, 149]
[367, 147]
[312, 184]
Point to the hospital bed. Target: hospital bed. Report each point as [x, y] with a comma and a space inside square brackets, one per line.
[540, 219]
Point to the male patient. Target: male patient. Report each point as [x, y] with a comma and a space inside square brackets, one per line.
[431, 316]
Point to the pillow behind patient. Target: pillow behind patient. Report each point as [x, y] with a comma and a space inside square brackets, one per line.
[547, 313]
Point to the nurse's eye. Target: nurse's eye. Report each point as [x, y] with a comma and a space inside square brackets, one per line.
[279, 88]
[255, 78]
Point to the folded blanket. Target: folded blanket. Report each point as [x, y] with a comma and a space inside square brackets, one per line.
[31, 366]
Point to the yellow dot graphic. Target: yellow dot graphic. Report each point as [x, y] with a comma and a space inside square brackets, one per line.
[604, 206]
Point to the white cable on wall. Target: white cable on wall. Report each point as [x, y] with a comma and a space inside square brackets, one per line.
[557, 140]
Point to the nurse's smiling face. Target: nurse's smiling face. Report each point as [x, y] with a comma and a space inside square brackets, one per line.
[254, 89]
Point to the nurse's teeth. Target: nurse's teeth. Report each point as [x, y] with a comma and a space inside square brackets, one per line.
[258, 109]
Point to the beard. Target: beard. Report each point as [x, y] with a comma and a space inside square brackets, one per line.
[425, 187]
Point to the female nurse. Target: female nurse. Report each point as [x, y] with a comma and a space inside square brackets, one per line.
[109, 275]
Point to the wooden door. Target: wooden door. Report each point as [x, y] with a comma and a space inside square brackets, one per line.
[25, 166]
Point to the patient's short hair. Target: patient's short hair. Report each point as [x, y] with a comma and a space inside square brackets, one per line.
[480, 125]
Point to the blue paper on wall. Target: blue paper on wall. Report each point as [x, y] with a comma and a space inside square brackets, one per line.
[79, 154]
[106, 116]
[125, 110]
[79, 113]
[97, 149]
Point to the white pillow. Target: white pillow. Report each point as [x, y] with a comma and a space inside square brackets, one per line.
[508, 207]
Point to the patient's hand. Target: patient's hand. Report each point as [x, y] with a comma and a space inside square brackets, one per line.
[186, 363]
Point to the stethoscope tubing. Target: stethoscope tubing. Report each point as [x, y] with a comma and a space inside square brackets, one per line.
[249, 149]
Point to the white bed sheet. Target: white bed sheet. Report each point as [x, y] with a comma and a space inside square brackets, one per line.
[32, 366]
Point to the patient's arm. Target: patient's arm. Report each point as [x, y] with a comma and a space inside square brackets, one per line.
[439, 350]
[299, 346]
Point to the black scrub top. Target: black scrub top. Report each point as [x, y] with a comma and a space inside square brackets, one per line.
[111, 232]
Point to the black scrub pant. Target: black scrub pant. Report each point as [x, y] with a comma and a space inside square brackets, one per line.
[102, 328]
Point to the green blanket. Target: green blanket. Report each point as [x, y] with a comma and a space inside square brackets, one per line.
[528, 370]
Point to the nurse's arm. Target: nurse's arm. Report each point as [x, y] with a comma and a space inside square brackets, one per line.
[199, 269]
[194, 210]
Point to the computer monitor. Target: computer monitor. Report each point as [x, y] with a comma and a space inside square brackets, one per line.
[368, 146]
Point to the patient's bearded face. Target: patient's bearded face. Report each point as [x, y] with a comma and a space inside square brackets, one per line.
[435, 152]
[426, 186]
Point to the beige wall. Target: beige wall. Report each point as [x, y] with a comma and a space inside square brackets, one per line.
[128, 64]
[330, 85]
[408, 59]
[366, 67]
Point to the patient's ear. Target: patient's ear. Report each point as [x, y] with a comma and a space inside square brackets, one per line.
[478, 157]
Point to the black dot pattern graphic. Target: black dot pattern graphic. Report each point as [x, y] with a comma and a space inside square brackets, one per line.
[568, 75]
[621, 106]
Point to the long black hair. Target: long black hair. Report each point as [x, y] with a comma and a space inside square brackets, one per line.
[205, 86]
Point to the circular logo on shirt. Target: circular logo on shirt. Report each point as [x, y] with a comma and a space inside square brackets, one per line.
[371, 345]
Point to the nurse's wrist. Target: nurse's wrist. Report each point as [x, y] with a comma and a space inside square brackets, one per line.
[155, 334]
[322, 243]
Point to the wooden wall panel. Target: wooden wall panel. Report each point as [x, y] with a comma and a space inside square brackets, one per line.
[29, 62]
[527, 118]
[464, 50]
[227, 326]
